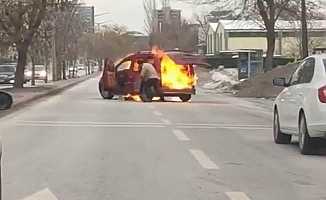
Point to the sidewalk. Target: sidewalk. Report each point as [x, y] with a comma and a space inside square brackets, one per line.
[26, 95]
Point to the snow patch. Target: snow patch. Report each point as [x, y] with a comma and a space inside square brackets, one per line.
[222, 80]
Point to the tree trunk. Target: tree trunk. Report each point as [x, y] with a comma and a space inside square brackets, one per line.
[33, 70]
[64, 77]
[46, 63]
[305, 51]
[22, 61]
[269, 62]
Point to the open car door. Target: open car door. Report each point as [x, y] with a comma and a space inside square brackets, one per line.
[182, 58]
[109, 78]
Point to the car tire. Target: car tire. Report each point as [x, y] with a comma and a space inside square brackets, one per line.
[185, 97]
[305, 141]
[279, 137]
[104, 93]
[5, 102]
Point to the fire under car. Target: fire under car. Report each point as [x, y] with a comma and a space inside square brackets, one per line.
[175, 68]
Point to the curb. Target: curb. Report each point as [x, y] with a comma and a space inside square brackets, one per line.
[49, 93]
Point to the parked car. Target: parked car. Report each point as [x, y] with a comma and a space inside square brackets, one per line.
[300, 109]
[6, 101]
[124, 77]
[40, 73]
[7, 74]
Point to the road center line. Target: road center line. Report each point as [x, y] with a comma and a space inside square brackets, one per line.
[180, 135]
[222, 127]
[88, 122]
[157, 113]
[237, 196]
[203, 159]
[45, 194]
[166, 121]
[92, 125]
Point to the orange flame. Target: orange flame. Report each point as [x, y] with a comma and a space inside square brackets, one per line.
[133, 97]
[174, 76]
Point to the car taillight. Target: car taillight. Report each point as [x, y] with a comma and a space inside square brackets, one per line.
[322, 94]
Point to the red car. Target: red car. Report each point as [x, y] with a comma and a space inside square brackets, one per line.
[175, 68]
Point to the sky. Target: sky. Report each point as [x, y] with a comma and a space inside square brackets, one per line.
[131, 12]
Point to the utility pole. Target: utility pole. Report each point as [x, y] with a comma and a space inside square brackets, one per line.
[304, 30]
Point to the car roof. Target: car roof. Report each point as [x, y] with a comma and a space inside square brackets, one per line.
[7, 65]
[319, 56]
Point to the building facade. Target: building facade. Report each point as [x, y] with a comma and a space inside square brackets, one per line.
[226, 35]
[87, 15]
[166, 18]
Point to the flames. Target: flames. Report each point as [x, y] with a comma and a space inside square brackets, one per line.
[174, 76]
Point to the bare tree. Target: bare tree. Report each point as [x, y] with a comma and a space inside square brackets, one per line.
[304, 29]
[150, 8]
[202, 21]
[20, 21]
[68, 29]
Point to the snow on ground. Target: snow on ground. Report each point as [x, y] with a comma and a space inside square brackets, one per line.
[222, 80]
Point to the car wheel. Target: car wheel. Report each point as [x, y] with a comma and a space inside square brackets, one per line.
[104, 93]
[279, 137]
[305, 141]
[147, 93]
[185, 97]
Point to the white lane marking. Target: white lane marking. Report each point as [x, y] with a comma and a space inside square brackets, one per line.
[151, 106]
[163, 122]
[203, 159]
[45, 194]
[180, 135]
[166, 121]
[221, 127]
[157, 113]
[92, 126]
[87, 122]
[147, 123]
[237, 196]
[225, 125]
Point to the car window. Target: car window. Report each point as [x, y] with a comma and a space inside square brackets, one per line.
[296, 75]
[7, 69]
[39, 68]
[308, 69]
[125, 65]
[324, 63]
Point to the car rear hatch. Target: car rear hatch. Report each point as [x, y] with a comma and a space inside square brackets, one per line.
[182, 78]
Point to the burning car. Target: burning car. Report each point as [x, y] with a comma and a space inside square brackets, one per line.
[175, 68]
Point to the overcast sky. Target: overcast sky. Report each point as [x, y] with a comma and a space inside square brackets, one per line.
[131, 12]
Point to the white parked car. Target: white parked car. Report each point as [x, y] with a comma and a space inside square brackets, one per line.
[300, 109]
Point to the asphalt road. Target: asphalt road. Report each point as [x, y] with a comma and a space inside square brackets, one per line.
[77, 146]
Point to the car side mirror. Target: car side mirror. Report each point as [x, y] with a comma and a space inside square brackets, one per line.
[280, 82]
[6, 101]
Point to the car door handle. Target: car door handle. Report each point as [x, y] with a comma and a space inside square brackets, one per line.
[301, 94]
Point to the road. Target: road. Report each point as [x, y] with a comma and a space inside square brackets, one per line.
[77, 146]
